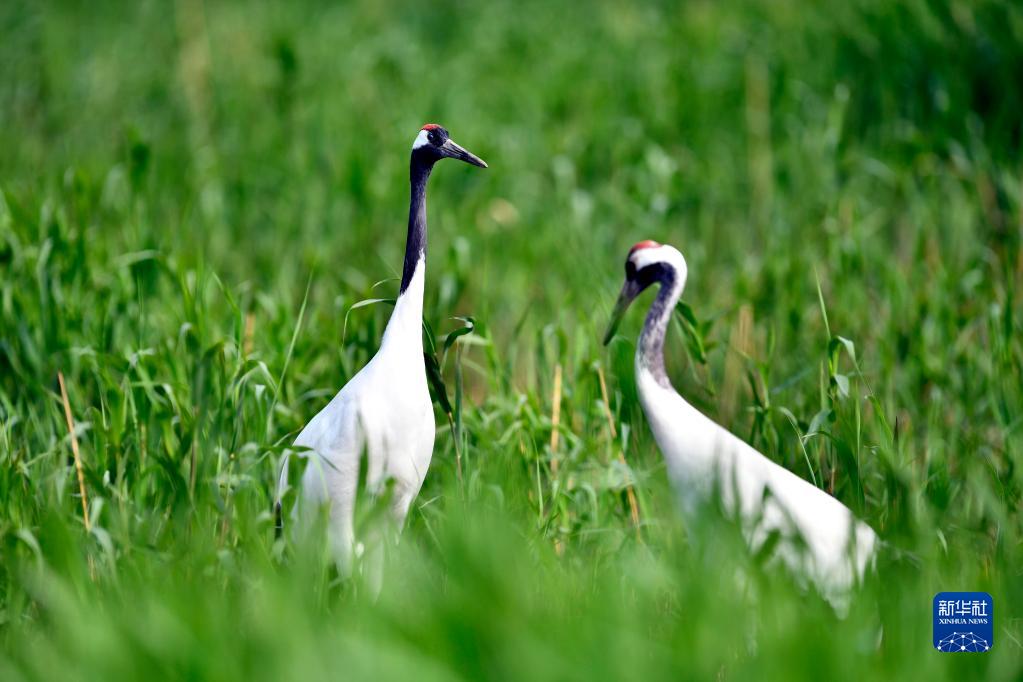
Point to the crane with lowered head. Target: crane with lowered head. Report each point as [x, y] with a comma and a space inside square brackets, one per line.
[819, 538]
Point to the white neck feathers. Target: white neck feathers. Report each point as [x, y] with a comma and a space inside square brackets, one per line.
[405, 328]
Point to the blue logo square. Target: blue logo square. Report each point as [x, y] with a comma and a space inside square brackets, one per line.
[964, 622]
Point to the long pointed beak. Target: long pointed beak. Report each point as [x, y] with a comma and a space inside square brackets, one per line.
[456, 151]
[630, 290]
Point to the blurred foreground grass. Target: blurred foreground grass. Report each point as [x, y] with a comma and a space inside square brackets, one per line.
[175, 175]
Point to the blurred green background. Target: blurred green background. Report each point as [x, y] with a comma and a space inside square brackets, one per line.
[193, 195]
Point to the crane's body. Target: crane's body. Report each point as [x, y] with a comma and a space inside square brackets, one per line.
[383, 417]
[820, 538]
[704, 460]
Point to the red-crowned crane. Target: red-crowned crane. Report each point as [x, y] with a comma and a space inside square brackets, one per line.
[383, 416]
[706, 461]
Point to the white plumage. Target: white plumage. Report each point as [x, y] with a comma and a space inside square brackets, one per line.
[704, 460]
[383, 417]
[385, 412]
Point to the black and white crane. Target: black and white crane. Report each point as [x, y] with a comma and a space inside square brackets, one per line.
[819, 538]
[383, 417]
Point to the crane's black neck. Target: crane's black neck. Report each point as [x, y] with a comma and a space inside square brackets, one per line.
[415, 243]
[655, 327]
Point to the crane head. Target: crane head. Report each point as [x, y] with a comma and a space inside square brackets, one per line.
[648, 262]
[433, 144]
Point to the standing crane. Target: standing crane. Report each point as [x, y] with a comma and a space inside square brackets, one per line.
[819, 538]
[383, 417]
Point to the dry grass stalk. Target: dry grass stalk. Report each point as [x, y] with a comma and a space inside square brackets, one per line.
[250, 331]
[555, 418]
[74, 449]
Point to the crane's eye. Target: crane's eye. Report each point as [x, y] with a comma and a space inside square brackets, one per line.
[433, 136]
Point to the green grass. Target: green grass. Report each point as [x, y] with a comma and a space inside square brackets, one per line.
[176, 176]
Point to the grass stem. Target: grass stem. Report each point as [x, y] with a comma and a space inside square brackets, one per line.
[74, 449]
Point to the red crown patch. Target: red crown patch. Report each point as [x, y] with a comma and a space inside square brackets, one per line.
[645, 244]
